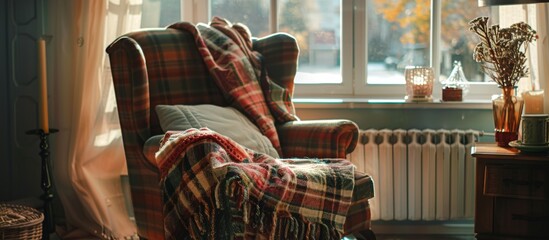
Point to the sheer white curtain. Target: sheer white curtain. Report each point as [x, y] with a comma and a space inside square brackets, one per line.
[89, 156]
[542, 17]
[511, 14]
[538, 53]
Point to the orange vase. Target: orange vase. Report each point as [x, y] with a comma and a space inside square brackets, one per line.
[507, 110]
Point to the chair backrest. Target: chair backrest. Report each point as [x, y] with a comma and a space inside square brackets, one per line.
[162, 66]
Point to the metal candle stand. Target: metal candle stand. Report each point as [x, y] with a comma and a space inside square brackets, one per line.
[46, 185]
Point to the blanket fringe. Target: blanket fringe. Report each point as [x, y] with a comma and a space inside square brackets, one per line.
[285, 227]
[252, 220]
[236, 217]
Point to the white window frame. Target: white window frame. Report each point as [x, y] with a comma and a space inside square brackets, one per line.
[354, 84]
[345, 88]
[195, 10]
[362, 88]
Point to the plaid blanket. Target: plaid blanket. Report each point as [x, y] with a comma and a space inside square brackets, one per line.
[238, 71]
[213, 188]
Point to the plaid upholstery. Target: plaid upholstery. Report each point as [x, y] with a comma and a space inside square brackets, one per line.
[163, 66]
[318, 138]
[359, 215]
[279, 57]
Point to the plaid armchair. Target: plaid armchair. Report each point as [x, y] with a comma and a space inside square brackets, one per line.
[163, 67]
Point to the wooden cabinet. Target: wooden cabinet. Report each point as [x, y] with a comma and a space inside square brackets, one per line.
[512, 193]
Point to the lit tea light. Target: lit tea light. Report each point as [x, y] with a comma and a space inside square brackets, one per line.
[419, 80]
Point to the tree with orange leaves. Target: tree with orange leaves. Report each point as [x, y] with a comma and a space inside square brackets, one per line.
[412, 16]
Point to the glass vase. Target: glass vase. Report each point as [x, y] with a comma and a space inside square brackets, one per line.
[507, 110]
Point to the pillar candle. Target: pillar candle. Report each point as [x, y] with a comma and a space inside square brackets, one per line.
[533, 101]
[43, 85]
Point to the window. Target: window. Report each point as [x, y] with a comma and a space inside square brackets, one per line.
[316, 24]
[253, 13]
[354, 48]
[399, 33]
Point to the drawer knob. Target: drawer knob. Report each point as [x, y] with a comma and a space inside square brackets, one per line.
[530, 218]
[509, 181]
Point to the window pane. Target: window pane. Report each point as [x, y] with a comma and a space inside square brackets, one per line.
[160, 13]
[317, 26]
[252, 13]
[398, 36]
[457, 42]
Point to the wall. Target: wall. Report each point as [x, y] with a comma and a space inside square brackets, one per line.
[20, 165]
[4, 127]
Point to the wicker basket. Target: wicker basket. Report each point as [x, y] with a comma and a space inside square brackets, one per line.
[20, 222]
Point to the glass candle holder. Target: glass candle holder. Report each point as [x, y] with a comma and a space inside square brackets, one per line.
[419, 83]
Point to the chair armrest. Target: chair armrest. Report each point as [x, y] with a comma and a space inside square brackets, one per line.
[318, 138]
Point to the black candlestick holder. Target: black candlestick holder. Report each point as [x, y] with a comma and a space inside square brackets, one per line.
[48, 226]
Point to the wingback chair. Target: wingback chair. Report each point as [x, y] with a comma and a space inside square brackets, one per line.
[163, 67]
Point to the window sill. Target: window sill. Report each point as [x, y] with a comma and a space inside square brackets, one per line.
[355, 103]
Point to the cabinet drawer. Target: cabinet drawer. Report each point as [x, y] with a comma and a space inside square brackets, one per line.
[521, 217]
[516, 181]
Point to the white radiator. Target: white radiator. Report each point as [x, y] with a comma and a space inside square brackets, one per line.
[418, 174]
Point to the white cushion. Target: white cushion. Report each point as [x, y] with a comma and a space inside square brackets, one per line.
[226, 121]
